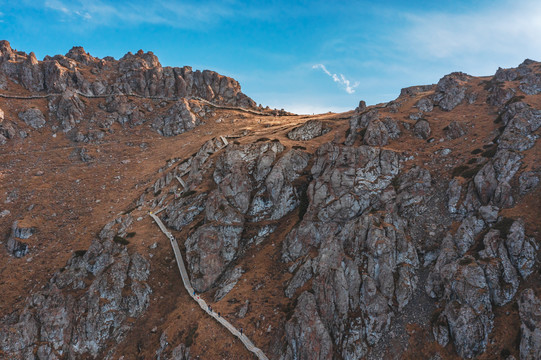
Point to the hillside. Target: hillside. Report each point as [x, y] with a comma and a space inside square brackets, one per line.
[402, 230]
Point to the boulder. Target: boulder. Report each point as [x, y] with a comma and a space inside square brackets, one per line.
[528, 181]
[33, 118]
[451, 90]
[376, 134]
[454, 131]
[422, 129]
[424, 105]
[392, 127]
[501, 276]
[522, 250]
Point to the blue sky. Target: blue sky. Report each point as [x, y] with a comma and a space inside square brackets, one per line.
[304, 56]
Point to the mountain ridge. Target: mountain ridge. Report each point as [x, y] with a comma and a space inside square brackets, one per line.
[400, 230]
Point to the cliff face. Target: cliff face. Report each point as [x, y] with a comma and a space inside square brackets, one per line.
[66, 80]
[139, 74]
[404, 230]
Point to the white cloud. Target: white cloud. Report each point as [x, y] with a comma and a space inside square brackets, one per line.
[338, 78]
[178, 14]
[507, 29]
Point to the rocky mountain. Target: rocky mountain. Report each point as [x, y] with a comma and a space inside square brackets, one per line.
[403, 230]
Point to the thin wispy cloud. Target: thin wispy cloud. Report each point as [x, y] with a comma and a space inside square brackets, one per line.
[504, 30]
[338, 78]
[176, 14]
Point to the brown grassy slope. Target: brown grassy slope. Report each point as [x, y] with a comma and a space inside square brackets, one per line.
[67, 215]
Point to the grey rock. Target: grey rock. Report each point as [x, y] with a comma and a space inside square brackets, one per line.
[522, 250]
[361, 107]
[180, 352]
[163, 345]
[16, 248]
[440, 330]
[54, 322]
[179, 119]
[331, 287]
[486, 183]
[453, 193]
[489, 213]
[451, 90]
[421, 129]
[230, 279]
[392, 127]
[454, 130]
[303, 274]
[183, 211]
[466, 233]
[308, 131]
[378, 314]
[502, 75]
[424, 105]
[354, 345]
[209, 250]
[528, 181]
[468, 329]
[530, 84]
[501, 276]
[522, 122]
[244, 309]
[7, 131]
[376, 134]
[69, 110]
[530, 328]
[14, 245]
[415, 116]
[506, 164]
[434, 286]
[499, 96]
[33, 118]
[307, 337]
[359, 122]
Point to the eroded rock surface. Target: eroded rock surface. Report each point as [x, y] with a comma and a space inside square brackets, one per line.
[308, 131]
[530, 317]
[57, 323]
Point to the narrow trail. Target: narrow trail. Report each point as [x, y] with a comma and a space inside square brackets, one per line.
[250, 111]
[186, 280]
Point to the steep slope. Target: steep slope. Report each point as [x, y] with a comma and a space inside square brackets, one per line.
[402, 230]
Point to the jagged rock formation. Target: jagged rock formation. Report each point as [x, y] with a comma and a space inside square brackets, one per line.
[417, 216]
[253, 183]
[308, 131]
[139, 73]
[78, 74]
[57, 322]
[530, 316]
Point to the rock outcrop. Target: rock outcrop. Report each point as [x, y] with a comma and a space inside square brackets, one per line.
[140, 74]
[530, 317]
[308, 131]
[57, 323]
[127, 86]
[251, 183]
[451, 90]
